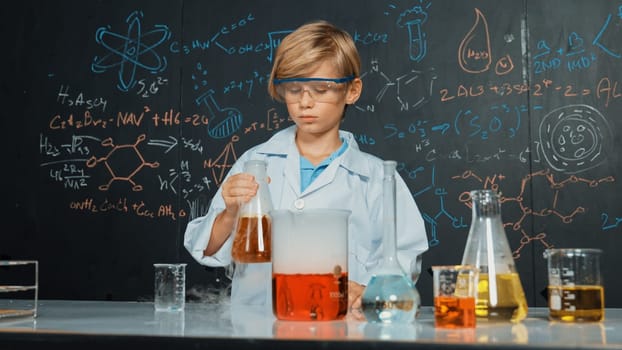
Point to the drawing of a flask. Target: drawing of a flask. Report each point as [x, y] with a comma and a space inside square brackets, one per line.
[223, 122]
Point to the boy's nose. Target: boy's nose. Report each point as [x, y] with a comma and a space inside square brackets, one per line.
[306, 99]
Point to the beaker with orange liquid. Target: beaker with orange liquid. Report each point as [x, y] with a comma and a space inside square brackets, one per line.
[310, 264]
[455, 289]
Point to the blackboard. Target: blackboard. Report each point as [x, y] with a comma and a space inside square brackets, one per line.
[122, 117]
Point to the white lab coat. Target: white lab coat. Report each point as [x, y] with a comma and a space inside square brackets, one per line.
[352, 181]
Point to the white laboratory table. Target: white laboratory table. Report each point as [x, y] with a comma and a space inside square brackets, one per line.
[66, 324]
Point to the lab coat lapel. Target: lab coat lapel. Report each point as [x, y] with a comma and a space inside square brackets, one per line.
[325, 178]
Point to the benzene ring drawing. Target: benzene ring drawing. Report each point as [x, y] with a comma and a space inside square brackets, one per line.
[575, 138]
[122, 162]
[131, 51]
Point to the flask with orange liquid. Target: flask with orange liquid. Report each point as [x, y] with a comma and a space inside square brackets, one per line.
[253, 231]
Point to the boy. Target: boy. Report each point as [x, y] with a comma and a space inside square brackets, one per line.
[311, 164]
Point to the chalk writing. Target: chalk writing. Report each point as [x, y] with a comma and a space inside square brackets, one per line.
[173, 118]
[147, 88]
[504, 120]
[273, 122]
[605, 89]
[213, 41]
[247, 84]
[78, 100]
[123, 205]
[573, 57]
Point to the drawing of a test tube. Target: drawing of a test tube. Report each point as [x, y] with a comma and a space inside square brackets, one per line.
[413, 19]
[223, 122]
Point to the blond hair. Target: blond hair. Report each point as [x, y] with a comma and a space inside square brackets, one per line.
[303, 50]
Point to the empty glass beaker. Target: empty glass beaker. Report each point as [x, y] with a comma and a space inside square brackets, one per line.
[310, 264]
[252, 240]
[500, 295]
[575, 289]
[390, 295]
[170, 287]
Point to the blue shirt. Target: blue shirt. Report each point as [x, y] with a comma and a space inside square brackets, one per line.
[352, 181]
[308, 172]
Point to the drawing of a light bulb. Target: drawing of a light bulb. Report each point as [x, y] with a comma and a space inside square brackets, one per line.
[224, 121]
[413, 19]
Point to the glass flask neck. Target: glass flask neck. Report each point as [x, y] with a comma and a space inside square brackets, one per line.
[257, 168]
[389, 241]
[487, 246]
[486, 203]
[261, 203]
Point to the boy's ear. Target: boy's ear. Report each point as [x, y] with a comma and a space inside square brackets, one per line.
[354, 91]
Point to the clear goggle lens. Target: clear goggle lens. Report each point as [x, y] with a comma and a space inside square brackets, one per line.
[319, 89]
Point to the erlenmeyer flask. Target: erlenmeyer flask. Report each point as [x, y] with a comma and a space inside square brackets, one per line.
[390, 295]
[252, 240]
[500, 295]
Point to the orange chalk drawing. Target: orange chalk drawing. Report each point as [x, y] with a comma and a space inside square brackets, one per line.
[474, 53]
[114, 166]
[551, 210]
[221, 165]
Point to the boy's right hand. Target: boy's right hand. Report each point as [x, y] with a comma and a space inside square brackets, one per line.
[238, 189]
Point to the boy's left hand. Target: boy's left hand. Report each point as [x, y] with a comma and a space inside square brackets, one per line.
[355, 295]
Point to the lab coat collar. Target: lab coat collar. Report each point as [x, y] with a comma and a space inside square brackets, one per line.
[283, 144]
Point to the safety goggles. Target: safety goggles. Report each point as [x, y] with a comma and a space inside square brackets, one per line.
[327, 90]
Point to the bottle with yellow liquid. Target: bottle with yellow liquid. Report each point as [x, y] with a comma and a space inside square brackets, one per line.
[500, 295]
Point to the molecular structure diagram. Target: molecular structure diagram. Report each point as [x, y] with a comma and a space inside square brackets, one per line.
[433, 219]
[411, 90]
[115, 158]
[550, 210]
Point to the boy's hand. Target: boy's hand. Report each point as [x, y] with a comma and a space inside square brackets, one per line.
[355, 295]
[238, 189]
